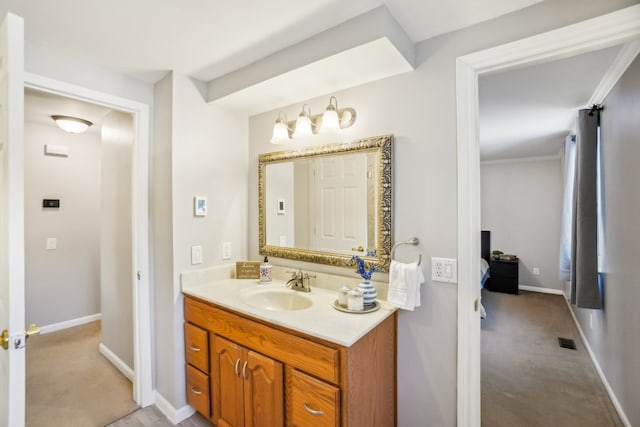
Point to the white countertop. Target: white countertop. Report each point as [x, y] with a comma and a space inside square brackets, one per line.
[319, 320]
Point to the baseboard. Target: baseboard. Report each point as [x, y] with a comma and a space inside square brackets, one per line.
[541, 290]
[607, 386]
[69, 323]
[174, 415]
[116, 361]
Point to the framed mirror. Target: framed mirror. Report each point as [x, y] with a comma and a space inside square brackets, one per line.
[325, 204]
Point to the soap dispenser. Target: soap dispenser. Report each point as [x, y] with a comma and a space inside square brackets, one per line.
[265, 271]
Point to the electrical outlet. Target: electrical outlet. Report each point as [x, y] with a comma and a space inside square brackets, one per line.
[536, 271]
[52, 243]
[444, 270]
[226, 250]
[196, 255]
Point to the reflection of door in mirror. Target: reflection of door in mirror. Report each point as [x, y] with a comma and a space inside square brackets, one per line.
[341, 204]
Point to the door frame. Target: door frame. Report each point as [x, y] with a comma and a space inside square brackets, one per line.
[607, 30]
[142, 354]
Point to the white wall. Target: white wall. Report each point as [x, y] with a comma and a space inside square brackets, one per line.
[205, 150]
[419, 108]
[611, 332]
[521, 206]
[62, 284]
[116, 269]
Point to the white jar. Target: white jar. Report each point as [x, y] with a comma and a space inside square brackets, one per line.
[355, 300]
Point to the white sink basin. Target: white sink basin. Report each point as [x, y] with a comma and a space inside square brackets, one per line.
[277, 300]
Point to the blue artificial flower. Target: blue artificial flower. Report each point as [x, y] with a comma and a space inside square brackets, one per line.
[362, 270]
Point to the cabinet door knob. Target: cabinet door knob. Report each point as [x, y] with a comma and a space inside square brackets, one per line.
[195, 391]
[312, 411]
[236, 368]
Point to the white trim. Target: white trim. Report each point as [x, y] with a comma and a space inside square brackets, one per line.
[174, 415]
[116, 361]
[603, 378]
[541, 290]
[47, 329]
[143, 359]
[600, 32]
[625, 57]
[522, 159]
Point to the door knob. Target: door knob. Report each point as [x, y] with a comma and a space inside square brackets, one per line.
[4, 339]
[33, 330]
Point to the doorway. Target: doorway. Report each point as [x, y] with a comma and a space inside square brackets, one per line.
[78, 259]
[597, 33]
[139, 274]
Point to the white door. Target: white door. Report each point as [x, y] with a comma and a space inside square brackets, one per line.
[12, 360]
[341, 203]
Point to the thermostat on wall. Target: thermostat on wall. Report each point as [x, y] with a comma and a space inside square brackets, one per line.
[50, 203]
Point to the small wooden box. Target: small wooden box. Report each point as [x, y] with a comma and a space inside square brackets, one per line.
[248, 269]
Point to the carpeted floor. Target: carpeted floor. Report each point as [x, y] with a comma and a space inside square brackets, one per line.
[527, 378]
[69, 383]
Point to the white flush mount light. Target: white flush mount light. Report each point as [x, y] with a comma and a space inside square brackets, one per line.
[332, 120]
[72, 124]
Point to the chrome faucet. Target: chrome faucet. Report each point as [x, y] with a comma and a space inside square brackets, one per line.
[300, 281]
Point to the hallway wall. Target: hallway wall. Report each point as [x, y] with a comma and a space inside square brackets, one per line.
[64, 283]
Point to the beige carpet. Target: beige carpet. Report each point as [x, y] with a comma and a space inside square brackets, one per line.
[527, 378]
[69, 383]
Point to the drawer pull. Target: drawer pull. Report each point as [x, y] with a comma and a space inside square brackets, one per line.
[312, 411]
[195, 391]
[244, 370]
[194, 348]
[236, 368]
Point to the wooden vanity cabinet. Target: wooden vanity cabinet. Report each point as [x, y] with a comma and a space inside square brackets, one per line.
[266, 375]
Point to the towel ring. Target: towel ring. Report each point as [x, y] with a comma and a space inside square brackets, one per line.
[413, 241]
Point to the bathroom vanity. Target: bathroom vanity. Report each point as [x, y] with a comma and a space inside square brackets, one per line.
[299, 362]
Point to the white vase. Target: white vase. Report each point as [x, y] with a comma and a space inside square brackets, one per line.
[369, 292]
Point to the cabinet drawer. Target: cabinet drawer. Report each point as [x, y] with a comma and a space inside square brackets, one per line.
[311, 402]
[196, 344]
[505, 269]
[198, 391]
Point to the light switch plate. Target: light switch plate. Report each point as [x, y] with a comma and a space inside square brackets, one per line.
[52, 243]
[444, 270]
[226, 250]
[196, 255]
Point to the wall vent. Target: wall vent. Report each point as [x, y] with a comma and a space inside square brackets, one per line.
[567, 343]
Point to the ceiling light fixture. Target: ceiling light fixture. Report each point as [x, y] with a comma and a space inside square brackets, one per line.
[332, 120]
[72, 124]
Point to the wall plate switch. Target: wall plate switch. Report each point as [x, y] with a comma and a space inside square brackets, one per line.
[226, 250]
[196, 255]
[52, 243]
[444, 270]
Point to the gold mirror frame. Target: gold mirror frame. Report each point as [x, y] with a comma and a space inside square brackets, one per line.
[380, 144]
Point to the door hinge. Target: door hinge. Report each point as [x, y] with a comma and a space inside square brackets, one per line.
[139, 275]
[475, 305]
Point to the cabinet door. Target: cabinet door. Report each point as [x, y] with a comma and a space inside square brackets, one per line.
[263, 391]
[311, 402]
[226, 381]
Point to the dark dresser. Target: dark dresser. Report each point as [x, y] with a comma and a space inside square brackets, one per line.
[503, 276]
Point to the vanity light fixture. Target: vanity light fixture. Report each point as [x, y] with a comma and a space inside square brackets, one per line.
[330, 121]
[72, 124]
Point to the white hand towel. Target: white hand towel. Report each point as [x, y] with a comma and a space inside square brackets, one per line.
[404, 285]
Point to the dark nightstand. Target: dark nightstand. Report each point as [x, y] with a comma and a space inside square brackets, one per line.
[503, 276]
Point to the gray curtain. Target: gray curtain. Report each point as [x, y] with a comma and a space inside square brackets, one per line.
[585, 285]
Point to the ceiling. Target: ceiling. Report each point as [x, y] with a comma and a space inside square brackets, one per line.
[528, 112]
[524, 112]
